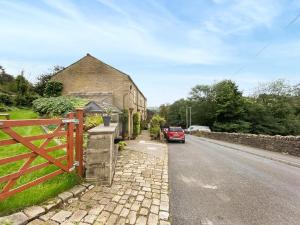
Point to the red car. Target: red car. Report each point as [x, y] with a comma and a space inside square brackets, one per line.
[175, 134]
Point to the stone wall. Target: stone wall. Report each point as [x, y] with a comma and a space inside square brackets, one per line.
[101, 154]
[283, 144]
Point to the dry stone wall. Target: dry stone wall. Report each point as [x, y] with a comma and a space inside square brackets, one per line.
[283, 144]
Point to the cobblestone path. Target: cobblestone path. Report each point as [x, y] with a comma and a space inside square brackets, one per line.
[139, 194]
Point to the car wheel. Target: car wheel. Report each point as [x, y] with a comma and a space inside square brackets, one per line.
[183, 141]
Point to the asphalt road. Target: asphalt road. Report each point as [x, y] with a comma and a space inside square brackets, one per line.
[212, 185]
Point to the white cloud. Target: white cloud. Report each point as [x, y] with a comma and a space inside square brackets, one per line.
[68, 31]
[240, 16]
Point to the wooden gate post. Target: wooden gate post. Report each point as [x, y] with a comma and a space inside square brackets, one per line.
[79, 142]
[70, 140]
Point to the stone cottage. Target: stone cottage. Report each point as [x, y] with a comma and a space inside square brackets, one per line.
[94, 80]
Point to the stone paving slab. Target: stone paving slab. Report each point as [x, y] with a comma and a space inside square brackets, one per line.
[139, 193]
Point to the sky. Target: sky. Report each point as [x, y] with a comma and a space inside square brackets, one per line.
[166, 46]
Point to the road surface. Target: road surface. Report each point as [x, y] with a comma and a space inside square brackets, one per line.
[216, 185]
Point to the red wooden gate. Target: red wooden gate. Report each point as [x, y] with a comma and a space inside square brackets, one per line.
[64, 128]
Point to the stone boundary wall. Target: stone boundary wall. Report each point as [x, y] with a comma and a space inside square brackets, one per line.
[282, 144]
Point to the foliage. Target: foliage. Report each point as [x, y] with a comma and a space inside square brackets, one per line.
[124, 119]
[155, 126]
[53, 89]
[107, 111]
[57, 106]
[7, 82]
[93, 120]
[150, 114]
[43, 79]
[136, 124]
[25, 100]
[144, 125]
[54, 106]
[273, 109]
[4, 108]
[122, 145]
[22, 85]
[6, 99]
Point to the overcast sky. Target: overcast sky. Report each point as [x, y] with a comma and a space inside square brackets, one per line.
[167, 46]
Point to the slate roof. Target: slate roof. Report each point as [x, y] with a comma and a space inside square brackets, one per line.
[92, 106]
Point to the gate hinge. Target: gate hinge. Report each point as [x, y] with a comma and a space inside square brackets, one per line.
[75, 164]
[76, 121]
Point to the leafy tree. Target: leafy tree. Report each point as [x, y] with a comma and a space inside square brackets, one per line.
[164, 111]
[53, 89]
[177, 113]
[43, 79]
[22, 85]
[202, 101]
[273, 109]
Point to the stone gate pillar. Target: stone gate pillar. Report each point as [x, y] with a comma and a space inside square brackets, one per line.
[101, 154]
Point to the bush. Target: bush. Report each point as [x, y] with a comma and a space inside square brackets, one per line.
[93, 121]
[55, 106]
[124, 119]
[4, 108]
[144, 125]
[155, 123]
[6, 99]
[25, 100]
[53, 89]
[136, 124]
[122, 145]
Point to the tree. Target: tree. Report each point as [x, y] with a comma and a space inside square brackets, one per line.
[202, 101]
[22, 85]
[177, 113]
[164, 111]
[43, 79]
[278, 87]
[53, 89]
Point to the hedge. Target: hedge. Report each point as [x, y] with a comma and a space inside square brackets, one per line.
[136, 124]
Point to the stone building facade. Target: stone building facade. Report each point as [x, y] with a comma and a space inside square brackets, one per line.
[94, 80]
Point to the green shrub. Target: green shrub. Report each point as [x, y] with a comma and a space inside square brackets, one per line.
[124, 119]
[55, 106]
[136, 124]
[4, 108]
[25, 100]
[144, 125]
[122, 145]
[93, 121]
[53, 89]
[6, 99]
[155, 123]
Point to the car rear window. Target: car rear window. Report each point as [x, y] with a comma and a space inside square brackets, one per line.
[176, 129]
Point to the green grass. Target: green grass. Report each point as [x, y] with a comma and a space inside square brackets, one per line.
[41, 192]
